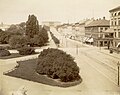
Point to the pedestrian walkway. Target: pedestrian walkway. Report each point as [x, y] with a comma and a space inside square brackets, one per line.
[107, 52]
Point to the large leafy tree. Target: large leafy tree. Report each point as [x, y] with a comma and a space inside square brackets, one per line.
[40, 39]
[16, 29]
[18, 41]
[4, 37]
[32, 26]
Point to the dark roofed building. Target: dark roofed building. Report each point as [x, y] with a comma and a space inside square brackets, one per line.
[96, 29]
[99, 23]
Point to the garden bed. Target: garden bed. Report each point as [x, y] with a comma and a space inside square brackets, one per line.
[26, 70]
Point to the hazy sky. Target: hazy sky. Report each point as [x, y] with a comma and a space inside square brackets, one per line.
[16, 11]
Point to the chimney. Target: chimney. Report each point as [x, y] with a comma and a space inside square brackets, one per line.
[103, 18]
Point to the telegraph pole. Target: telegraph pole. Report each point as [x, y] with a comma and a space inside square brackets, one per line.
[118, 64]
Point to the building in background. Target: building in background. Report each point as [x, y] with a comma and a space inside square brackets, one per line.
[80, 28]
[95, 30]
[51, 23]
[3, 26]
[74, 31]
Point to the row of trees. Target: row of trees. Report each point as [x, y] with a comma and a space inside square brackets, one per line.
[55, 39]
[25, 34]
[14, 30]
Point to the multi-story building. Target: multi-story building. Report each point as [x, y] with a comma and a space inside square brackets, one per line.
[79, 28]
[115, 25]
[96, 30]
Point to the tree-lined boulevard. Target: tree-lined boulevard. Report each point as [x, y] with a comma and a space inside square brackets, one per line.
[98, 70]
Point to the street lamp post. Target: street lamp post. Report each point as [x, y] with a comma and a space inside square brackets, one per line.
[76, 49]
[118, 64]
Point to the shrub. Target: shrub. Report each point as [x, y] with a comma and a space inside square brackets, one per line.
[26, 50]
[57, 64]
[4, 52]
[4, 37]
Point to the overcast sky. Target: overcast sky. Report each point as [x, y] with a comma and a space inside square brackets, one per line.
[16, 11]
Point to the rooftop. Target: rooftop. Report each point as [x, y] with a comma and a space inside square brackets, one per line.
[114, 9]
[100, 22]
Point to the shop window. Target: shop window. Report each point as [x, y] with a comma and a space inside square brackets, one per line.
[119, 22]
[111, 22]
[115, 23]
[119, 34]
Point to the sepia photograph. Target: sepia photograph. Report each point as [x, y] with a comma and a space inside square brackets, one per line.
[59, 47]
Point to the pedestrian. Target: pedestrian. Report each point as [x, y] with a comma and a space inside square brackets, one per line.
[108, 44]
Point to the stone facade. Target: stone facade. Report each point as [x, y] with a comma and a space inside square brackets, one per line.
[115, 24]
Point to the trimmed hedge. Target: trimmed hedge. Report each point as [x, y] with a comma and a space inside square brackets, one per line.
[4, 52]
[56, 40]
[26, 50]
[57, 65]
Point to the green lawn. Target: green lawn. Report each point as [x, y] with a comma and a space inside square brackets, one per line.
[26, 70]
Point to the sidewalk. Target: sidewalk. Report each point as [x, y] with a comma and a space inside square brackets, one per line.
[107, 52]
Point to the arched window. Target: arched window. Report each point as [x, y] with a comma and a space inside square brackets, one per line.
[115, 14]
[119, 13]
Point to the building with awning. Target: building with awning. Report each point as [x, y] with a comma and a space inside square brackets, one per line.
[90, 40]
[96, 29]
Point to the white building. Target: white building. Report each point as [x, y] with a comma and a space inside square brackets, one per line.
[4, 26]
[51, 23]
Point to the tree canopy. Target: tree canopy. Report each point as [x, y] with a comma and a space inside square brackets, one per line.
[32, 26]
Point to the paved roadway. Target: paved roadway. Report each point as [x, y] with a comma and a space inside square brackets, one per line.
[98, 78]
